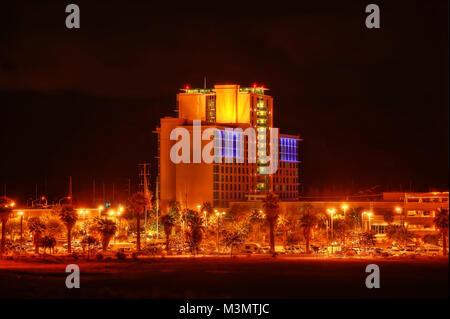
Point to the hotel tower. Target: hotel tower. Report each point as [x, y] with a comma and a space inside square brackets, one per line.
[226, 108]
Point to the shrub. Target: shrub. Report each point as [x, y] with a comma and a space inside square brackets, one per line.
[99, 256]
[121, 255]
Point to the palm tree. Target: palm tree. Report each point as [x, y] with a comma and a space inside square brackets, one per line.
[308, 220]
[6, 206]
[441, 222]
[49, 242]
[36, 227]
[139, 202]
[168, 222]
[69, 217]
[271, 208]
[106, 228]
[195, 233]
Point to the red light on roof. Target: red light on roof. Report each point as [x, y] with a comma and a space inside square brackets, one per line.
[262, 86]
[187, 87]
[254, 85]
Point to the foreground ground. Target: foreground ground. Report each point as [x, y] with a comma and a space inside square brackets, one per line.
[223, 277]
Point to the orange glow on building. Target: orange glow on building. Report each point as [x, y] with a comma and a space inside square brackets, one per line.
[224, 106]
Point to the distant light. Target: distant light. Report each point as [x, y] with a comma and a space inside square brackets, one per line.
[43, 198]
[13, 204]
[20, 213]
[187, 87]
[254, 85]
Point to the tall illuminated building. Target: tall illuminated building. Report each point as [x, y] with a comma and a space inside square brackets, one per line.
[226, 106]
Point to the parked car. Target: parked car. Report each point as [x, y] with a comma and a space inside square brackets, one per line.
[250, 248]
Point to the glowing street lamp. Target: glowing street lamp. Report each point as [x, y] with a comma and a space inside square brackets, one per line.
[331, 211]
[344, 208]
[21, 228]
[198, 207]
[100, 209]
[370, 216]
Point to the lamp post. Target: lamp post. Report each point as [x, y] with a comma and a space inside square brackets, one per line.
[369, 215]
[331, 211]
[21, 229]
[65, 197]
[219, 216]
[100, 209]
[344, 208]
[217, 235]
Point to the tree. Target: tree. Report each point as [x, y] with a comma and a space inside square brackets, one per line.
[257, 218]
[441, 222]
[139, 202]
[6, 206]
[168, 222]
[208, 208]
[308, 220]
[232, 238]
[88, 240]
[37, 228]
[53, 228]
[106, 228]
[367, 238]
[48, 242]
[399, 234]
[69, 217]
[271, 208]
[195, 231]
[355, 214]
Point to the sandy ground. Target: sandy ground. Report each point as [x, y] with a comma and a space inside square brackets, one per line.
[223, 277]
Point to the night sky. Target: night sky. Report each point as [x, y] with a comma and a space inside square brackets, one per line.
[371, 105]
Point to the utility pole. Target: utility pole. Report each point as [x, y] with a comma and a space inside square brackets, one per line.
[93, 192]
[157, 207]
[129, 188]
[144, 183]
[35, 192]
[70, 189]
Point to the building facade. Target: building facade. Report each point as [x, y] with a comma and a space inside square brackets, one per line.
[230, 110]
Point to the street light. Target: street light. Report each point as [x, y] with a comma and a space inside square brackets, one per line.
[219, 216]
[206, 220]
[198, 208]
[100, 209]
[65, 197]
[344, 208]
[21, 229]
[369, 215]
[331, 211]
[217, 235]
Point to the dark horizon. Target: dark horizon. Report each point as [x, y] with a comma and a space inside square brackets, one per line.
[371, 105]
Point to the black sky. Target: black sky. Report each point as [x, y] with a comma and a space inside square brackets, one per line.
[371, 105]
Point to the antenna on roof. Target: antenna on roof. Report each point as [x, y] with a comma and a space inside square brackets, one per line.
[204, 82]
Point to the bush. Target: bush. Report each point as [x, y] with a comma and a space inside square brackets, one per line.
[99, 256]
[121, 256]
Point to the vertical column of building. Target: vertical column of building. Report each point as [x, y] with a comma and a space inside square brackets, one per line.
[262, 124]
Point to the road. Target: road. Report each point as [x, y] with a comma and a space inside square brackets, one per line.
[223, 277]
